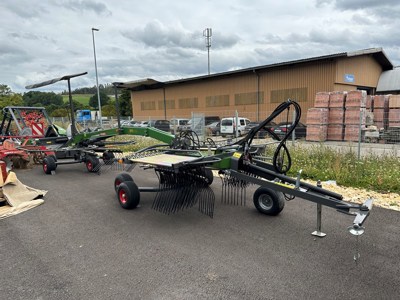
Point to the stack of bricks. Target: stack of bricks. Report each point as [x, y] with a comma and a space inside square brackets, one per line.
[317, 124]
[317, 118]
[394, 111]
[355, 114]
[337, 102]
[342, 116]
[380, 110]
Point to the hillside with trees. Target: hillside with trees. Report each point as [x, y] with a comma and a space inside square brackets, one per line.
[56, 106]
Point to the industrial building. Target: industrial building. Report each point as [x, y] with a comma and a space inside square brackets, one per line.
[255, 92]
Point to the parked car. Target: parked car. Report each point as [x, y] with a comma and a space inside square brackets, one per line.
[129, 123]
[283, 127]
[263, 131]
[211, 119]
[207, 121]
[143, 124]
[213, 128]
[160, 124]
[228, 126]
[177, 125]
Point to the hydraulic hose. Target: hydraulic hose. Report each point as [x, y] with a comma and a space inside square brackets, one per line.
[278, 158]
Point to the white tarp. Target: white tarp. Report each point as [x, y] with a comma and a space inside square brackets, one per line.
[18, 196]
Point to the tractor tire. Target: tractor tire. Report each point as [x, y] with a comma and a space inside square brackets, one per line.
[268, 201]
[128, 195]
[92, 163]
[121, 178]
[49, 164]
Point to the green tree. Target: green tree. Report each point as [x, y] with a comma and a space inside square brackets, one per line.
[35, 98]
[125, 103]
[108, 110]
[104, 99]
[8, 98]
[5, 90]
[77, 105]
[60, 112]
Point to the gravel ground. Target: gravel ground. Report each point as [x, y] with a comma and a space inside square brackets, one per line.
[388, 200]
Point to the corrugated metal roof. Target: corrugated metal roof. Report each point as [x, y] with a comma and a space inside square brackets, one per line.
[377, 53]
[139, 83]
[389, 81]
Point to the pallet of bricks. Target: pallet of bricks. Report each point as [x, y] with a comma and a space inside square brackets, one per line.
[317, 118]
[391, 121]
[386, 116]
[338, 116]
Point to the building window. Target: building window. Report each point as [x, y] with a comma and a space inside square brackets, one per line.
[151, 105]
[188, 102]
[169, 103]
[297, 94]
[219, 100]
[249, 98]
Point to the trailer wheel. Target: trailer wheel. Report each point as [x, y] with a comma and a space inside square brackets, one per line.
[128, 195]
[268, 201]
[121, 178]
[108, 157]
[49, 164]
[208, 174]
[92, 163]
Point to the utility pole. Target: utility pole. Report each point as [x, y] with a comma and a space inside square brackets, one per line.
[207, 33]
[97, 78]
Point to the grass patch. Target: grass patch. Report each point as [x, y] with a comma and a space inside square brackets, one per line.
[81, 98]
[371, 172]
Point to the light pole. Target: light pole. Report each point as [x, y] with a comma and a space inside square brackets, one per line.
[97, 79]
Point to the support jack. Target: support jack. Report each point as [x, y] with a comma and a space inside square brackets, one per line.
[318, 232]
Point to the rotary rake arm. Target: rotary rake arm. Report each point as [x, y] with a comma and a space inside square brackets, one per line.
[184, 175]
[238, 168]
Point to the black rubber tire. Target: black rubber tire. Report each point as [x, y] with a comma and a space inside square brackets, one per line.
[268, 201]
[49, 164]
[92, 163]
[122, 177]
[208, 174]
[128, 195]
[108, 157]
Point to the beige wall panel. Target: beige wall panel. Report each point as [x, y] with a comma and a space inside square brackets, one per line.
[315, 77]
[365, 69]
[310, 78]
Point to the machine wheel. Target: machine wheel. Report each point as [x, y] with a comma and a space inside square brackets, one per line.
[92, 163]
[49, 164]
[128, 195]
[208, 174]
[121, 178]
[268, 201]
[108, 157]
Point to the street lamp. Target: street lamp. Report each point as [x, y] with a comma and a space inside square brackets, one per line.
[97, 79]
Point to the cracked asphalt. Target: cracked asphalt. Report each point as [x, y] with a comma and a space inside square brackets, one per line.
[80, 244]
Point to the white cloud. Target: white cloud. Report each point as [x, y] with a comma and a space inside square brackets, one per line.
[164, 40]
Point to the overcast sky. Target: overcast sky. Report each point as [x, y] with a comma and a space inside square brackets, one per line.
[163, 39]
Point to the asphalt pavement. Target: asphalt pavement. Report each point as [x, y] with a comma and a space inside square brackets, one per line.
[80, 244]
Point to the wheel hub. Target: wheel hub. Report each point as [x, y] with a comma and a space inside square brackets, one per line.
[265, 202]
